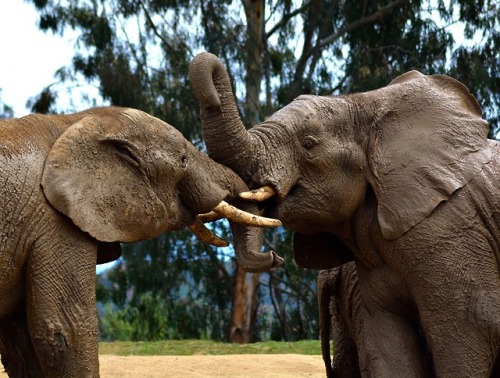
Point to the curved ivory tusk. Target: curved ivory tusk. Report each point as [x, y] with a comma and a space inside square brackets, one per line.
[242, 217]
[212, 216]
[260, 194]
[202, 232]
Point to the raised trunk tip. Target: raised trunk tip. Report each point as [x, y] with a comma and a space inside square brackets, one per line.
[225, 135]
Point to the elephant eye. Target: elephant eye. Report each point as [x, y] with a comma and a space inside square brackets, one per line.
[184, 161]
[125, 152]
[309, 142]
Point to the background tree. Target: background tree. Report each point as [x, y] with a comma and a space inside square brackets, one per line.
[138, 51]
[6, 111]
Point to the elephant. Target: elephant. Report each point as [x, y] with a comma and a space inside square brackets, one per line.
[405, 181]
[341, 319]
[75, 186]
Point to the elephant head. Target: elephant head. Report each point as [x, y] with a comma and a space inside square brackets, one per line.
[411, 145]
[123, 176]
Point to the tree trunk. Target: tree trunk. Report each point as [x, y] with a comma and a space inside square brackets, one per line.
[245, 305]
[254, 48]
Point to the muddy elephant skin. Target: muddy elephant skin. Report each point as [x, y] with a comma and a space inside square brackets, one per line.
[342, 320]
[73, 187]
[405, 180]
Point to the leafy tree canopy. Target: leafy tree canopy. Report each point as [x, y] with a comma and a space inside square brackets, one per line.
[139, 50]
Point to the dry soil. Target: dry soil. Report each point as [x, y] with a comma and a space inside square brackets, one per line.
[241, 365]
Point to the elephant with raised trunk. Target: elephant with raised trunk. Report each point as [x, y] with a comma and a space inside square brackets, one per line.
[73, 187]
[404, 180]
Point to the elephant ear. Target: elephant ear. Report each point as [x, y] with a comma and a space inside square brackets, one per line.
[429, 141]
[86, 178]
[319, 251]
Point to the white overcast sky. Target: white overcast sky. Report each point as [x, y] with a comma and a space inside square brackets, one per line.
[28, 57]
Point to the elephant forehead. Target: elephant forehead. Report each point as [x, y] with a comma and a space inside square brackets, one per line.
[137, 119]
[136, 126]
[310, 110]
[294, 113]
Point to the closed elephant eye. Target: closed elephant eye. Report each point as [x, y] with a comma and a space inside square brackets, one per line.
[125, 152]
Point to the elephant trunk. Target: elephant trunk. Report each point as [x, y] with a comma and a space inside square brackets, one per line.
[221, 183]
[226, 138]
[247, 241]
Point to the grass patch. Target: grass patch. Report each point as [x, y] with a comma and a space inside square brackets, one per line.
[194, 347]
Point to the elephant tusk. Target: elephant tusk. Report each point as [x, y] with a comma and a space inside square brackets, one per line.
[212, 216]
[242, 217]
[260, 194]
[203, 233]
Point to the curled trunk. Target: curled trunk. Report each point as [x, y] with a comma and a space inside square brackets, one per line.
[227, 140]
[229, 143]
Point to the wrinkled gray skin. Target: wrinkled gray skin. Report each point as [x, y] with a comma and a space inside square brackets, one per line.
[342, 319]
[73, 187]
[404, 178]
[339, 310]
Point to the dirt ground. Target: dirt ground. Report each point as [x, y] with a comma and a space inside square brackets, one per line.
[241, 365]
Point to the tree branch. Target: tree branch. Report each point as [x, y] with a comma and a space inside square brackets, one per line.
[362, 21]
[286, 18]
[153, 27]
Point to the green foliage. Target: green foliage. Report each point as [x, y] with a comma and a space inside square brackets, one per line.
[44, 102]
[171, 287]
[6, 111]
[139, 51]
[291, 295]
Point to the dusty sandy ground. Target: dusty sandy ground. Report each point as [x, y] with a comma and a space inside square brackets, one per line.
[242, 365]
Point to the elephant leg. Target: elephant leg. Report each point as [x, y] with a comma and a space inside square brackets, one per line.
[458, 300]
[18, 356]
[496, 367]
[345, 359]
[460, 350]
[339, 303]
[324, 298]
[463, 344]
[61, 306]
[391, 347]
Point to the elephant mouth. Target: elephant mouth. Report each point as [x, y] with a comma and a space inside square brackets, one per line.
[285, 207]
[268, 198]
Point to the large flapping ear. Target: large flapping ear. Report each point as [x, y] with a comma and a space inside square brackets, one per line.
[85, 179]
[319, 251]
[429, 141]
